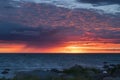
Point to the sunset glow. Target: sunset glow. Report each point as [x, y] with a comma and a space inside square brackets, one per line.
[47, 27]
[69, 47]
[73, 49]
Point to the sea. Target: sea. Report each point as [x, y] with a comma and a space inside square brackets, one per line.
[28, 62]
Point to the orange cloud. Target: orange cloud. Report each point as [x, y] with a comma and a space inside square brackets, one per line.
[7, 48]
[67, 47]
[55, 29]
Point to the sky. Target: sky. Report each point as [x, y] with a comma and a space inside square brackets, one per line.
[59, 26]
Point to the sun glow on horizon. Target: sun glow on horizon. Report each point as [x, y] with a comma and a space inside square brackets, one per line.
[67, 47]
[73, 49]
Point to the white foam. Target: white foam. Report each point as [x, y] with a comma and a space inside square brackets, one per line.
[72, 4]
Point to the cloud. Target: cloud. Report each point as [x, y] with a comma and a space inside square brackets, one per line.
[103, 6]
[40, 25]
[39, 36]
[100, 1]
[49, 37]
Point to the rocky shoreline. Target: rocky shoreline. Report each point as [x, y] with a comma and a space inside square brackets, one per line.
[77, 72]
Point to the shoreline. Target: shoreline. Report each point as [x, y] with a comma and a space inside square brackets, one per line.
[76, 71]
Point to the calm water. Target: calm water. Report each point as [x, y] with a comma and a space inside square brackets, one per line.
[23, 62]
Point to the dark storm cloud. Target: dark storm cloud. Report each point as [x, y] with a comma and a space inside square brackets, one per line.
[100, 1]
[46, 36]
[31, 36]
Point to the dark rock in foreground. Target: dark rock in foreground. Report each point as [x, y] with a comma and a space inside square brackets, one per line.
[76, 72]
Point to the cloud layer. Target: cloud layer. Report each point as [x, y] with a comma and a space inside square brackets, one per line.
[101, 1]
[47, 26]
[111, 7]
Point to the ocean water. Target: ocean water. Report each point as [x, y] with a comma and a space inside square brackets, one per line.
[26, 62]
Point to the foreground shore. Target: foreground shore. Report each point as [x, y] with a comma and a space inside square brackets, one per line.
[77, 72]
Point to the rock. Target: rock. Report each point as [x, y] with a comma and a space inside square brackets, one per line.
[37, 74]
[91, 73]
[111, 78]
[107, 78]
[100, 76]
[116, 73]
[117, 78]
[5, 71]
[55, 70]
